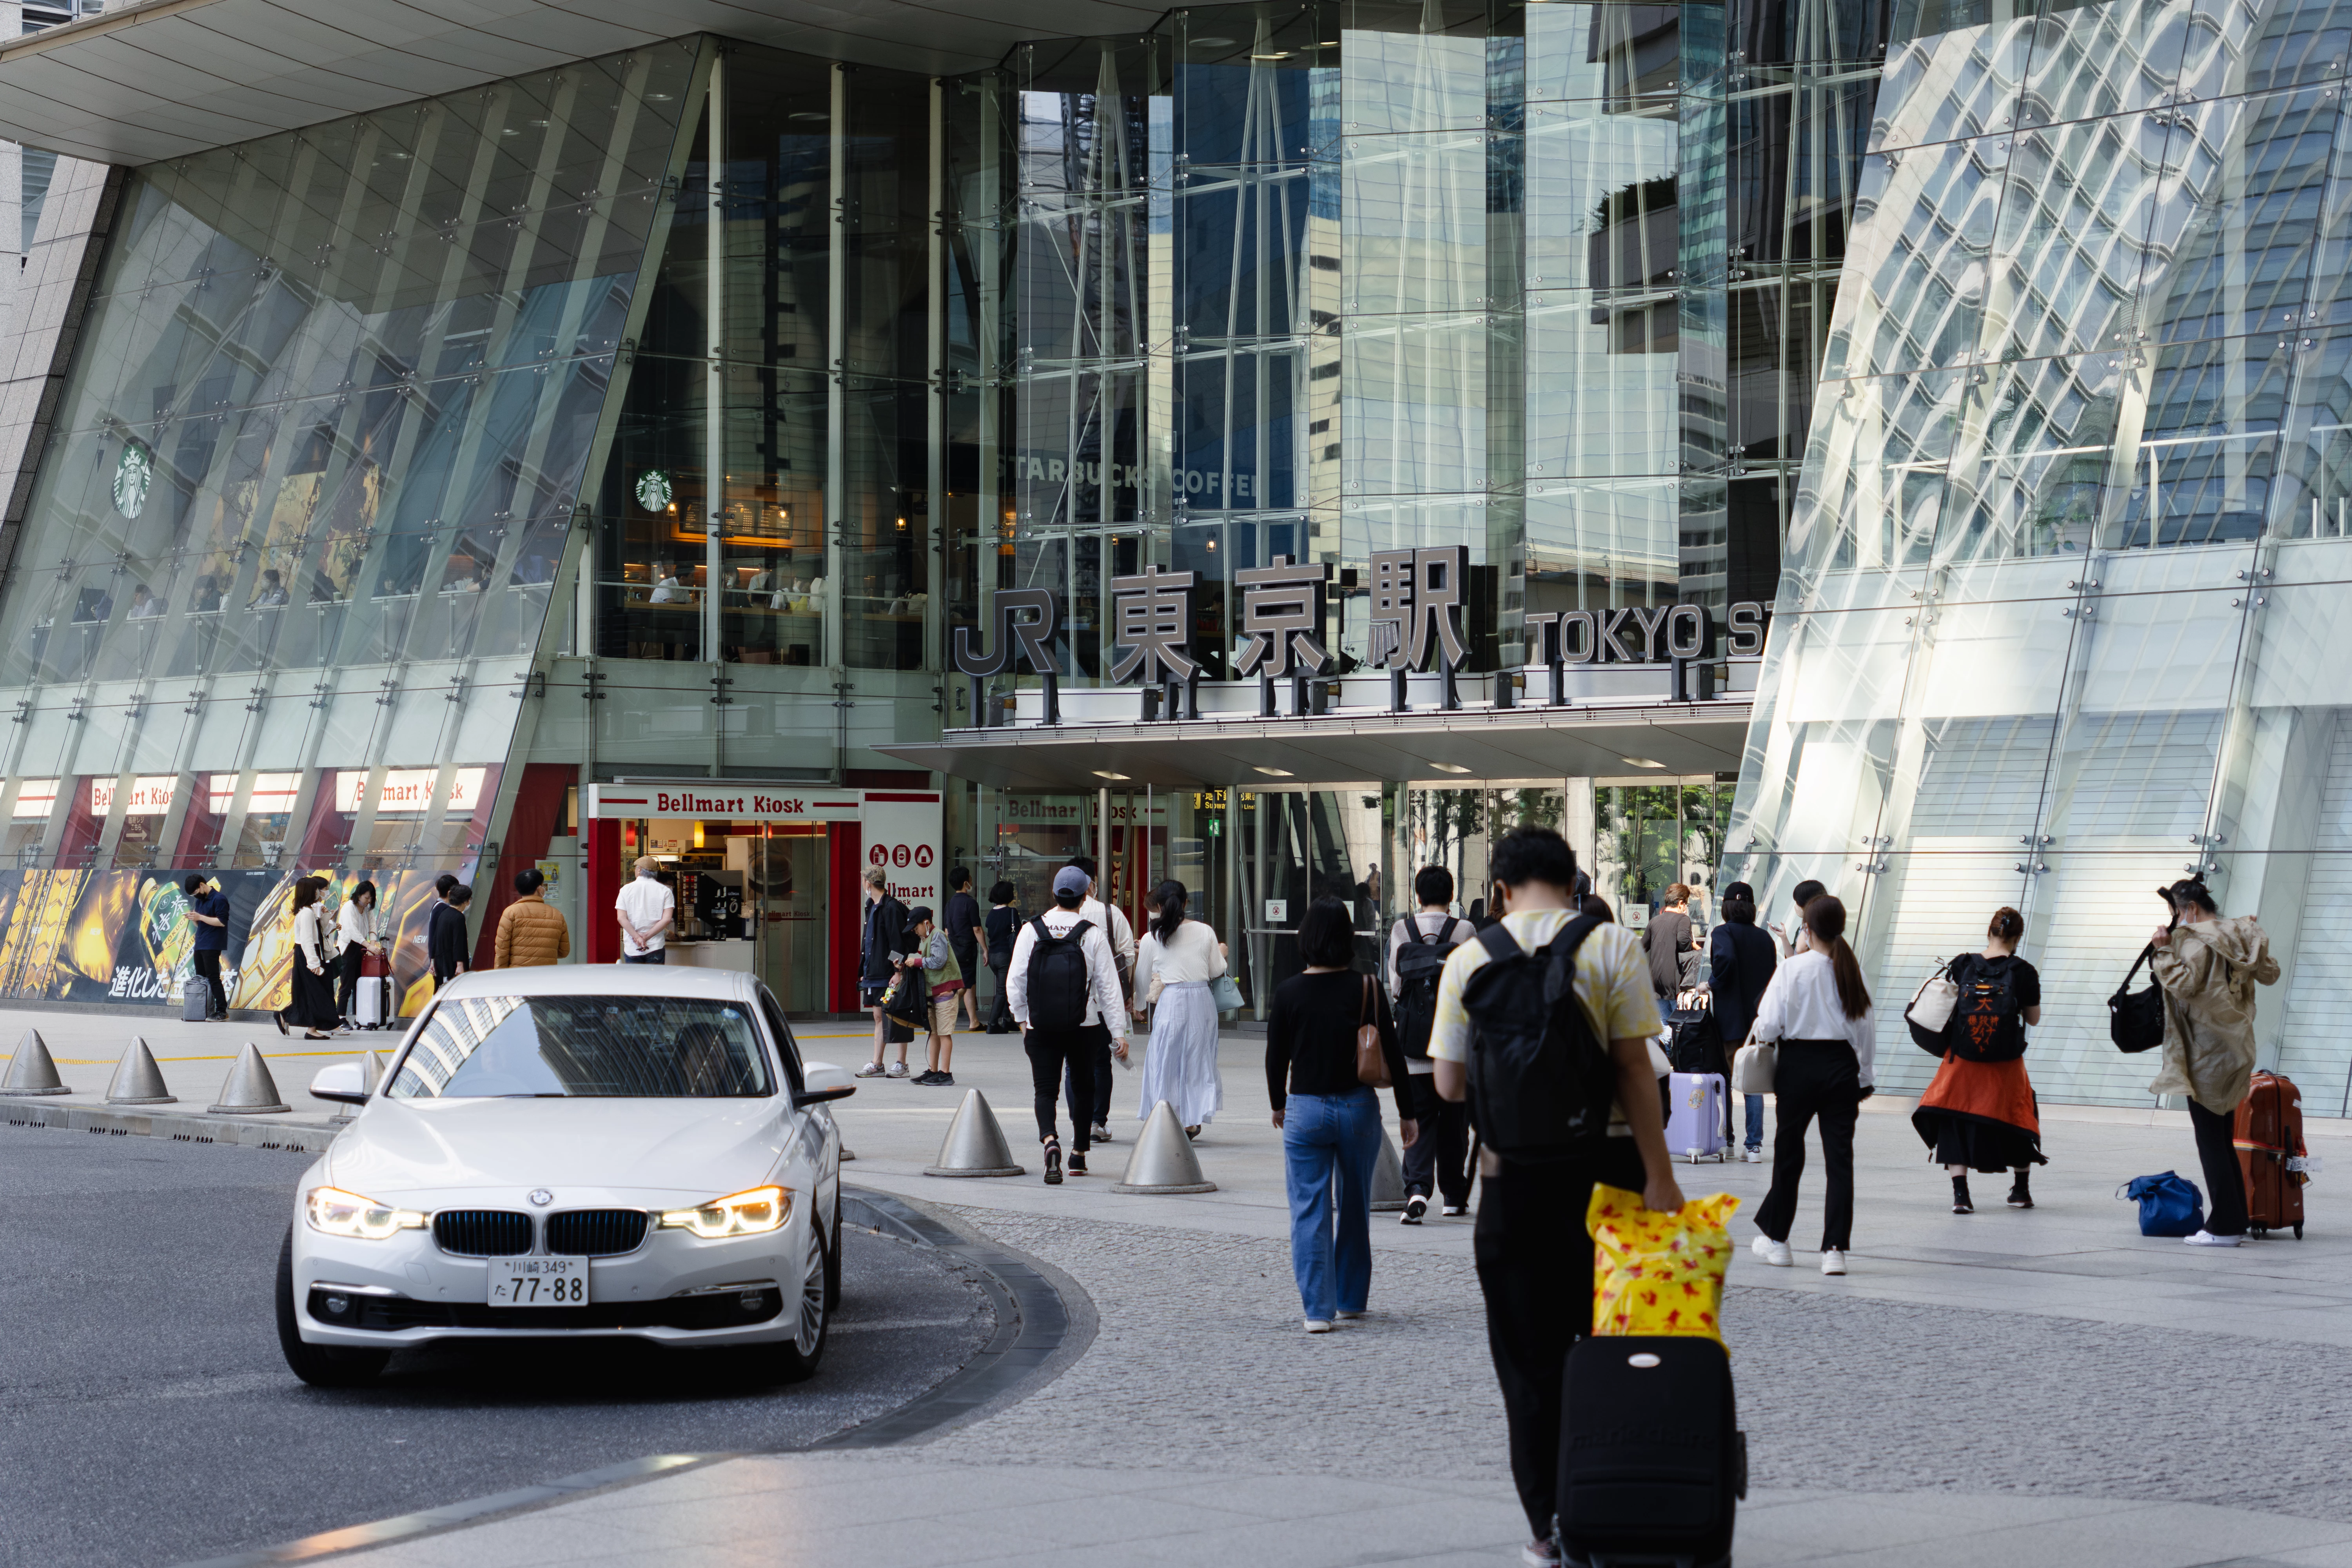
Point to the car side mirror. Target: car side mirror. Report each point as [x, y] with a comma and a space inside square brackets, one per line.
[345, 1083]
[820, 1081]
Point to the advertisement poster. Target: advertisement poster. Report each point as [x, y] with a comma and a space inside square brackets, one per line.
[124, 936]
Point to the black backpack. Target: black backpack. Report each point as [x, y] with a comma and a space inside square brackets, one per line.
[1987, 1024]
[1419, 963]
[1540, 1082]
[1058, 990]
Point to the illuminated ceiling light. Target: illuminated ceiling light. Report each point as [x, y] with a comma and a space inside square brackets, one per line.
[1115, 778]
[1640, 762]
[1275, 773]
[809, 114]
[1283, 55]
[1449, 767]
[1213, 43]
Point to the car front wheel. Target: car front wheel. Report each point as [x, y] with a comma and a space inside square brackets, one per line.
[795, 1360]
[322, 1366]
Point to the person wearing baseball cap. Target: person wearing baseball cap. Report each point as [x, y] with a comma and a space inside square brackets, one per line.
[1063, 985]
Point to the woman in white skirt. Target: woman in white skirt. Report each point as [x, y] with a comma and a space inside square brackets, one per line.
[1178, 958]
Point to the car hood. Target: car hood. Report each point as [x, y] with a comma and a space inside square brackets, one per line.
[690, 1148]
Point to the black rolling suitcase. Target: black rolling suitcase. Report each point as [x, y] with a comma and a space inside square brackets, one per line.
[1652, 1460]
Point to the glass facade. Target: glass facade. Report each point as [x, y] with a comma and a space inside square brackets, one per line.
[2054, 627]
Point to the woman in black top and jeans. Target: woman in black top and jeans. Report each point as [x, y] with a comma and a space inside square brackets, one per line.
[1330, 1120]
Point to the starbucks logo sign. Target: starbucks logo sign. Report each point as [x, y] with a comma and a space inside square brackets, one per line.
[653, 491]
[133, 472]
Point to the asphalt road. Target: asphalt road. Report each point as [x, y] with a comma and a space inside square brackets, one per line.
[146, 1417]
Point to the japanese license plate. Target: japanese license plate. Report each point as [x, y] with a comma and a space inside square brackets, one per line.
[539, 1281]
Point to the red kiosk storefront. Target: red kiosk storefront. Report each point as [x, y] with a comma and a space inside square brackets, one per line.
[769, 877]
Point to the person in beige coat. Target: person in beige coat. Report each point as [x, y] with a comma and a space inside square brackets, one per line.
[2209, 968]
[530, 930]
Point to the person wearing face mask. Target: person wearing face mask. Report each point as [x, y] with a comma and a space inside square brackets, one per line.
[2209, 968]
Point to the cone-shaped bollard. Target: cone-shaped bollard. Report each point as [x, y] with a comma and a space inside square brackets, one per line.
[138, 1080]
[1163, 1160]
[250, 1090]
[974, 1145]
[30, 1070]
[1388, 1177]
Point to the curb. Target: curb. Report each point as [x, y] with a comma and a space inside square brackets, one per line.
[180, 1127]
[1043, 1322]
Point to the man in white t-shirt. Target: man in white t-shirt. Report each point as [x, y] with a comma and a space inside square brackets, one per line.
[643, 910]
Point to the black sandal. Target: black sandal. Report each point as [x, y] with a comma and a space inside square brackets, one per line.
[282, 1029]
[1053, 1162]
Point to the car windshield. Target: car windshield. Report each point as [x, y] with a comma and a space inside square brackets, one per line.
[627, 1047]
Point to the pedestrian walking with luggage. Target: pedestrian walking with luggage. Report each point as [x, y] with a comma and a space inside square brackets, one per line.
[1980, 1112]
[943, 987]
[208, 909]
[1063, 985]
[311, 1003]
[1548, 1135]
[1002, 925]
[881, 950]
[960, 920]
[532, 931]
[1816, 1014]
[2209, 968]
[1320, 1074]
[1438, 1164]
[1177, 960]
[1666, 940]
[356, 922]
[1741, 959]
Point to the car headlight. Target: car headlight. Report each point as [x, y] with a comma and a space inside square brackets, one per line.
[739, 1214]
[339, 1212]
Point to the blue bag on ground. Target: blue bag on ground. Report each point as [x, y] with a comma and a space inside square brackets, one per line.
[2169, 1204]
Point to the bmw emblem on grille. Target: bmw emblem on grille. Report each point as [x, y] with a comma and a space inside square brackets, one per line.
[542, 1197]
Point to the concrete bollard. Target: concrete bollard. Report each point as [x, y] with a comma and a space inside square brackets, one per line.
[137, 1079]
[1388, 1177]
[31, 1072]
[974, 1145]
[1164, 1160]
[250, 1090]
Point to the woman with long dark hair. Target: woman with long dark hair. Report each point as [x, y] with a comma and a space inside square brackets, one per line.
[312, 1000]
[1179, 957]
[1330, 1119]
[1979, 1113]
[1817, 1012]
[356, 923]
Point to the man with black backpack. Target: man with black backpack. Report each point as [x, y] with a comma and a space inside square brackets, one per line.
[1418, 948]
[1563, 1094]
[1063, 985]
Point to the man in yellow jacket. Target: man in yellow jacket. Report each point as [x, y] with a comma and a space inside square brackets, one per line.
[532, 931]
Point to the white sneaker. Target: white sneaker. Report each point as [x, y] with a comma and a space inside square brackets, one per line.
[1832, 1260]
[1454, 1211]
[897, 1070]
[2207, 1238]
[871, 1069]
[1318, 1325]
[1754, 1156]
[1539, 1554]
[1415, 1207]
[1775, 1253]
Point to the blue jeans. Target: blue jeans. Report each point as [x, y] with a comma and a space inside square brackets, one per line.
[1665, 1009]
[1330, 1145]
[1754, 1120]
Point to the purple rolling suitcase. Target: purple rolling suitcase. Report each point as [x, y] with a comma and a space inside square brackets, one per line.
[1695, 1117]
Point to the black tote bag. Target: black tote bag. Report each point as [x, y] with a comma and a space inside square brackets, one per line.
[2136, 1018]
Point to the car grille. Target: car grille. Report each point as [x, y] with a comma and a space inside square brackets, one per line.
[595, 1232]
[482, 1232]
[389, 1314]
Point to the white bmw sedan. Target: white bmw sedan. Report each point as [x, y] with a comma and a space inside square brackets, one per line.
[571, 1151]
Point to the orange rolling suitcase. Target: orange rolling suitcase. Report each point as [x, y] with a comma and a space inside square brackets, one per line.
[2269, 1135]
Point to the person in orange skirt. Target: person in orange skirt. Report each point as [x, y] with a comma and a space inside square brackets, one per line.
[1979, 1113]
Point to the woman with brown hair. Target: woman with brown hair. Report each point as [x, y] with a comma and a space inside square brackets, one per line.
[1817, 1012]
[312, 1000]
[1979, 1113]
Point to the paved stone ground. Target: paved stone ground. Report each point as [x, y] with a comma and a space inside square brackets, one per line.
[1200, 1365]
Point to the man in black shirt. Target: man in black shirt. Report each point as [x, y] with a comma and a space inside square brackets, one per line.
[960, 921]
[445, 936]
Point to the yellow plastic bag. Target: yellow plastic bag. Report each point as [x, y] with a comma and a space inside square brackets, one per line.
[1657, 1273]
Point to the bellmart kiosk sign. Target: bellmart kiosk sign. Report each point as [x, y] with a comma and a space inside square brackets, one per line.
[1416, 602]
